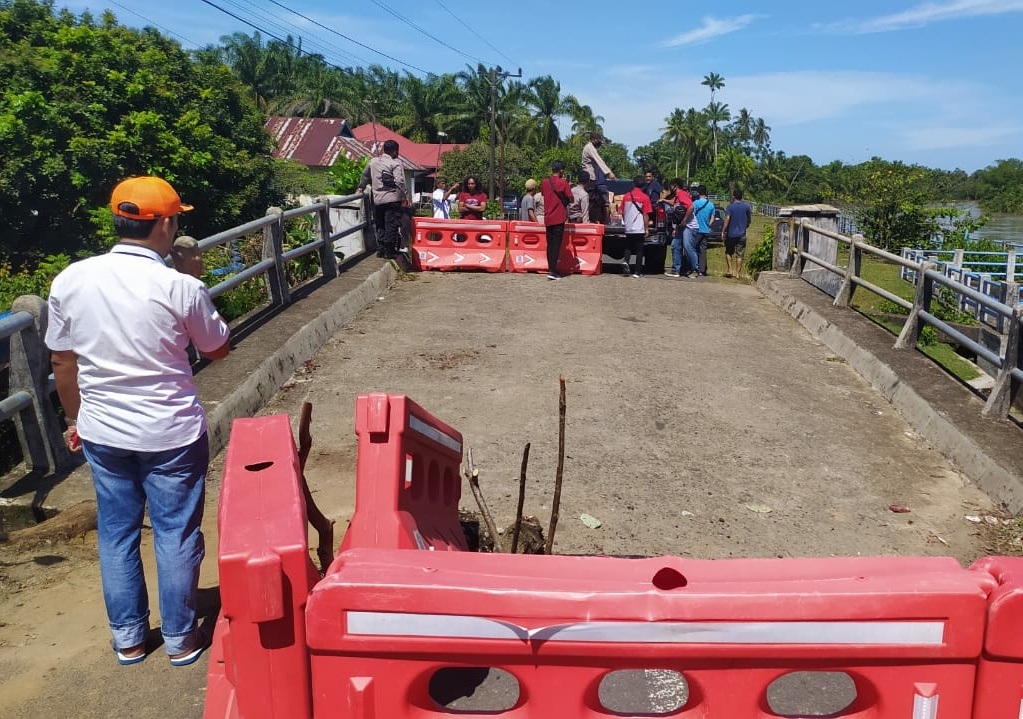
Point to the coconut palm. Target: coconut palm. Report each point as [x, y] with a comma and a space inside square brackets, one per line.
[761, 137]
[674, 132]
[717, 112]
[714, 82]
[584, 121]
[694, 139]
[547, 105]
[742, 126]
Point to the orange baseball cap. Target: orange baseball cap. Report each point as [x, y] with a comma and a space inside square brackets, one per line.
[146, 198]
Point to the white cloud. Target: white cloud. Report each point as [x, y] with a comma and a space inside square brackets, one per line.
[945, 138]
[927, 13]
[710, 29]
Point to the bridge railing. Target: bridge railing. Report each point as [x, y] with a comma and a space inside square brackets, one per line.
[29, 399]
[928, 281]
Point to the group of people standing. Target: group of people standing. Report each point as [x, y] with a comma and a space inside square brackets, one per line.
[689, 211]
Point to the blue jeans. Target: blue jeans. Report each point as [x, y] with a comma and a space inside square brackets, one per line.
[173, 483]
[676, 252]
[690, 241]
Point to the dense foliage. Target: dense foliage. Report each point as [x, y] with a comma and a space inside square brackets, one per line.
[86, 103]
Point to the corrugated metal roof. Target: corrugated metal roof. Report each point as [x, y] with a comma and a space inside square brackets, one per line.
[319, 141]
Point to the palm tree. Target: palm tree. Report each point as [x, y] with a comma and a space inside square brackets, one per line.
[714, 82]
[246, 57]
[761, 137]
[544, 98]
[717, 112]
[584, 121]
[743, 128]
[694, 139]
[674, 131]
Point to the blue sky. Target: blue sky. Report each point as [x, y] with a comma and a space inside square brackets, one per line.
[934, 83]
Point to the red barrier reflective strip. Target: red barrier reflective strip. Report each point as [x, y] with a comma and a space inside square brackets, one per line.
[418, 425]
[899, 633]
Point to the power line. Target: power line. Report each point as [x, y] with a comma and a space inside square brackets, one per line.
[466, 26]
[153, 24]
[432, 37]
[311, 39]
[349, 39]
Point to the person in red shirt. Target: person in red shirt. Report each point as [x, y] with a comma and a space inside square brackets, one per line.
[681, 202]
[557, 196]
[472, 201]
[635, 210]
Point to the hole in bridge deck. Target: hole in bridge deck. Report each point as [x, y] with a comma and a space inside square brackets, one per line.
[811, 694]
[474, 690]
[643, 692]
[259, 466]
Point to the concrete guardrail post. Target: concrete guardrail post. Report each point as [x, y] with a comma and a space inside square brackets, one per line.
[323, 230]
[783, 246]
[845, 292]
[273, 248]
[910, 335]
[39, 430]
[1006, 388]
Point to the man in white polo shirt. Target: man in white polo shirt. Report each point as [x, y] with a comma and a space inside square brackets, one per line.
[119, 329]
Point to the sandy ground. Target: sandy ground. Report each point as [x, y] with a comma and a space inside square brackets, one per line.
[701, 422]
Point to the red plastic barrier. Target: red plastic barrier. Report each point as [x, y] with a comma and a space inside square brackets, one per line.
[907, 631]
[584, 244]
[459, 244]
[1000, 674]
[259, 663]
[580, 249]
[407, 481]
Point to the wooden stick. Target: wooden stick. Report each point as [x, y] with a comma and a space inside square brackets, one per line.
[473, 475]
[323, 526]
[556, 504]
[522, 499]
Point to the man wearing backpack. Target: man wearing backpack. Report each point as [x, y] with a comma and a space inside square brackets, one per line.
[697, 234]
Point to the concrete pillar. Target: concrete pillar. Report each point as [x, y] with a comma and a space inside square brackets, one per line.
[825, 217]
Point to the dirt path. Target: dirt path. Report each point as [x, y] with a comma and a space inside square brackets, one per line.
[701, 422]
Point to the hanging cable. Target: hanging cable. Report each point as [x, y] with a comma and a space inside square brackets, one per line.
[314, 42]
[349, 39]
[432, 37]
[153, 24]
[466, 26]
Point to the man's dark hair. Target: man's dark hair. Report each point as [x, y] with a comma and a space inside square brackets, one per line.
[638, 181]
[596, 136]
[390, 146]
[737, 193]
[582, 177]
[677, 182]
[128, 228]
[649, 172]
[557, 166]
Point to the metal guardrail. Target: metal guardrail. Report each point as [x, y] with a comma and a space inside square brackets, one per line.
[928, 278]
[31, 383]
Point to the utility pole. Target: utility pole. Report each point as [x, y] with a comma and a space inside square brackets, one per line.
[493, 76]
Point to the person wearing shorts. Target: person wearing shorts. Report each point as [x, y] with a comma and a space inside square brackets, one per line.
[738, 216]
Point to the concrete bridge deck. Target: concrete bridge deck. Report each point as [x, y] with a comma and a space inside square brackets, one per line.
[702, 421]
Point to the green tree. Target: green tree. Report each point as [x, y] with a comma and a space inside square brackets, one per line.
[1000, 186]
[547, 105]
[86, 104]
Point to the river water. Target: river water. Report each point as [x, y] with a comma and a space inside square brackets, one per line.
[999, 228]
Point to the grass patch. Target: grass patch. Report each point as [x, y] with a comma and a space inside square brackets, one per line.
[942, 353]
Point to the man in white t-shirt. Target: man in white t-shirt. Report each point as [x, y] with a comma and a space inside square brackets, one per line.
[119, 329]
[442, 199]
